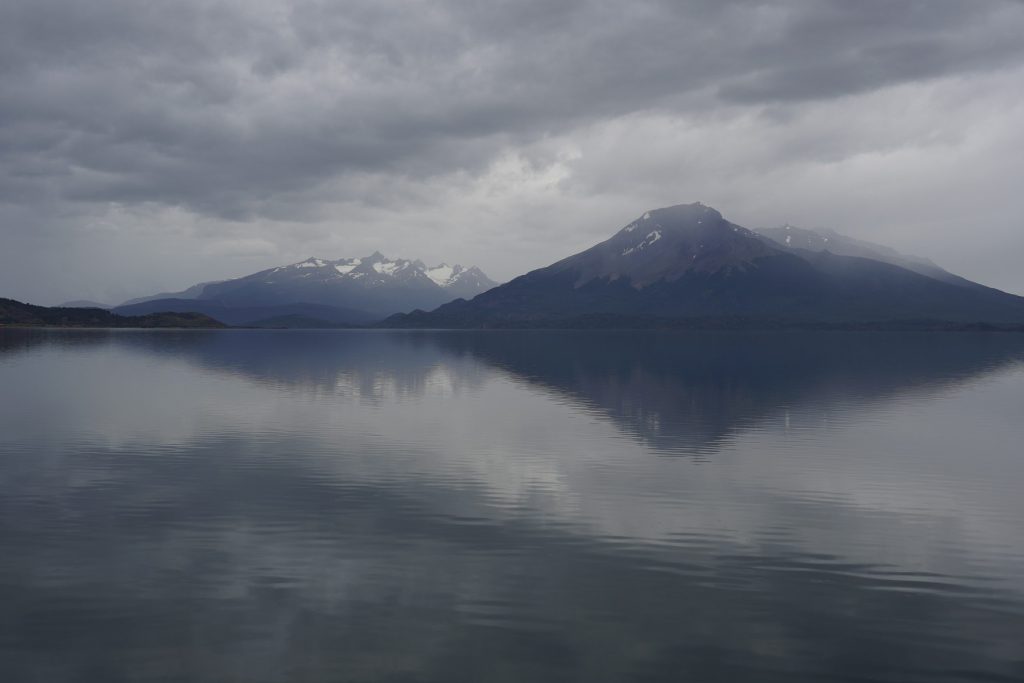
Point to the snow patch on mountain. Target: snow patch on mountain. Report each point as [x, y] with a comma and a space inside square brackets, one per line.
[388, 267]
[467, 281]
[346, 266]
[442, 275]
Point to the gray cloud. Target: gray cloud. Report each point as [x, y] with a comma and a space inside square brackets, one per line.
[318, 125]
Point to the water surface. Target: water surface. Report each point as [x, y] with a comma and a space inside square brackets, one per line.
[511, 506]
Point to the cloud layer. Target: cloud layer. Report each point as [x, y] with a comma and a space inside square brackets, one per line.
[149, 145]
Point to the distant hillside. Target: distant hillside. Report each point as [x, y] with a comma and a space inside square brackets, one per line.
[17, 314]
[85, 303]
[687, 266]
[283, 315]
[192, 292]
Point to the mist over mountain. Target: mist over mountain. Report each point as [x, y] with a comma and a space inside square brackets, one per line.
[823, 239]
[192, 292]
[84, 303]
[688, 262]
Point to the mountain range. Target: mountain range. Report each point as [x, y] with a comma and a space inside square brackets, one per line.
[687, 265]
[318, 292]
[679, 266]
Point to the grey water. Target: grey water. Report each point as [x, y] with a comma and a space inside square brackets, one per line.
[511, 506]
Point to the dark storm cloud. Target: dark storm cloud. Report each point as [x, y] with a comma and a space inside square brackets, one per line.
[235, 109]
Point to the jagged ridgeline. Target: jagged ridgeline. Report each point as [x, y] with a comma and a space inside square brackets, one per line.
[322, 293]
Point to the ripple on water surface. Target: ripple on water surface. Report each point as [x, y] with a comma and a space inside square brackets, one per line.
[365, 506]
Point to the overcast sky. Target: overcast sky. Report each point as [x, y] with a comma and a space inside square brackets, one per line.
[146, 146]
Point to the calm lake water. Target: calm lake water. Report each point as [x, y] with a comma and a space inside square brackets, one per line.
[510, 506]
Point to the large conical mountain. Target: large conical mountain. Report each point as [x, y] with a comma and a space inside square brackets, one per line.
[350, 290]
[687, 261]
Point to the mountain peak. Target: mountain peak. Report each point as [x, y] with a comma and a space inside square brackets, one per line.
[686, 211]
[680, 217]
[311, 262]
[666, 243]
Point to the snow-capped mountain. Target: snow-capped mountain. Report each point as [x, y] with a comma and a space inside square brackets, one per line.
[376, 270]
[687, 262]
[666, 244]
[373, 286]
[461, 282]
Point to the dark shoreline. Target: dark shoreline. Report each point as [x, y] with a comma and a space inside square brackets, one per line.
[15, 314]
[678, 327]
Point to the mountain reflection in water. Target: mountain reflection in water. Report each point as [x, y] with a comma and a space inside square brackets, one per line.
[270, 506]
